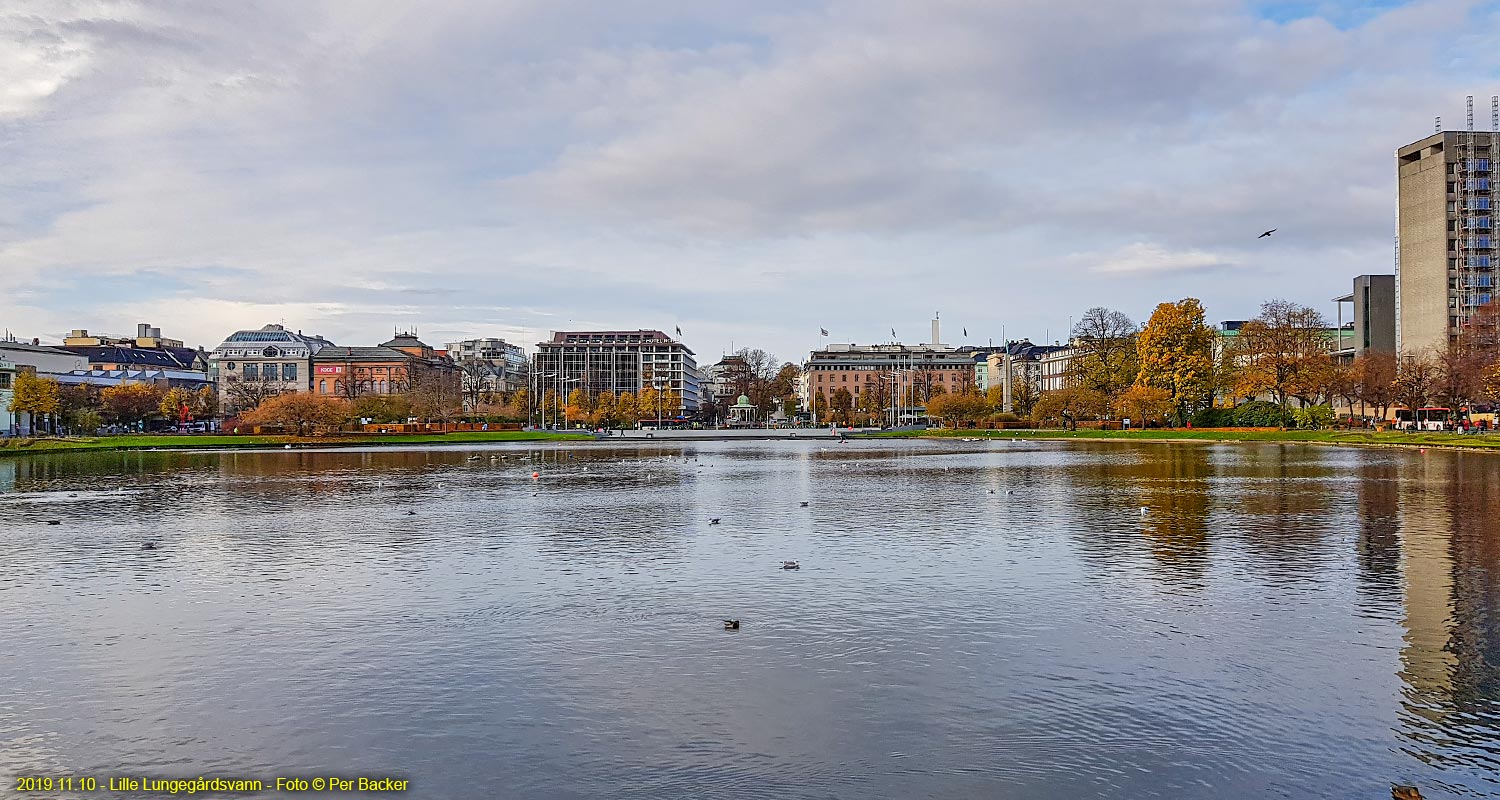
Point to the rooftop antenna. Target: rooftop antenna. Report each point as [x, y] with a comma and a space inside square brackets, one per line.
[1469, 104]
[1437, 124]
[1495, 113]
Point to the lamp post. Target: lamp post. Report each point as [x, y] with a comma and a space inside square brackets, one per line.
[564, 404]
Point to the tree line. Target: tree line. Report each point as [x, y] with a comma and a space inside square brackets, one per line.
[85, 408]
[1278, 369]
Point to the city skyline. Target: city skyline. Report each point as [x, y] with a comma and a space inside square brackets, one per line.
[748, 176]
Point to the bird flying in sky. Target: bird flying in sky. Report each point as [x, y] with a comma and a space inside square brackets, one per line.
[1267, 233]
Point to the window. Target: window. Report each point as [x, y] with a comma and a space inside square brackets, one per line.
[268, 372]
[323, 387]
[289, 372]
[4, 380]
[252, 372]
[1479, 261]
[229, 365]
[1482, 203]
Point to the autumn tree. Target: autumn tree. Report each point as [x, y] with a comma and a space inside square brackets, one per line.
[842, 403]
[1068, 405]
[1460, 375]
[1490, 382]
[604, 413]
[1279, 350]
[628, 409]
[131, 403]
[176, 404]
[1373, 376]
[580, 404]
[954, 407]
[300, 413]
[1175, 351]
[1416, 376]
[1105, 358]
[39, 397]
[381, 408]
[1024, 395]
[1147, 404]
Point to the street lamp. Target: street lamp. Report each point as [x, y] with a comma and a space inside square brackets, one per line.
[563, 402]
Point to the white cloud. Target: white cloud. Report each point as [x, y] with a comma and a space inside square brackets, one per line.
[1145, 258]
[499, 167]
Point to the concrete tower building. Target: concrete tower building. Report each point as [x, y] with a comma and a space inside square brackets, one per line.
[1446, 265]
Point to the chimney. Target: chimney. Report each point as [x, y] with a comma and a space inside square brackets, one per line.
[935, 338]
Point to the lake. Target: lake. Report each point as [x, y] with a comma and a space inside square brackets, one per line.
[990, 619]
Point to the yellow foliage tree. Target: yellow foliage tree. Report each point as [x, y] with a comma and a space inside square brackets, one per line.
[1175, 351]
[627, 409]
[1146, 404]
[174, 402]
[35, 396]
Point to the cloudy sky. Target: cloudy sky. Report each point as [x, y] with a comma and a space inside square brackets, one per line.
[750, 171]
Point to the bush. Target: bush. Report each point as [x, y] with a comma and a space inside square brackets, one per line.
[1006, 416]
[1314, 417]
[1214, 418]
[1261, 414]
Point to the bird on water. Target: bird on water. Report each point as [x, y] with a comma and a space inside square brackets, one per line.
[804, 504]
[148, 545]
[713, 521]
[731, 624]
[1400, 792]
[790, 565]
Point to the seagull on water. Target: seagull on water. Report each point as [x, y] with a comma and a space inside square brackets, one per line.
[713, 521]
[148, 546]
[731, 624]
[790, 565]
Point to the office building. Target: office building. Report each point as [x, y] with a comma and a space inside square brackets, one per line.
[616, 362]
[1446, 246]
[1372, 325]
[497, 365]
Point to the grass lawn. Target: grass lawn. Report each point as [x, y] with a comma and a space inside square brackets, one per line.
[204, 442]
[1387, 438]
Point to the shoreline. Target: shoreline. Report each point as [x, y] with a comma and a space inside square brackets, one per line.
[189, 443]
[1390, 439]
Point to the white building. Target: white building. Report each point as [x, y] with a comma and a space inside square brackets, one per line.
[505, 362]
[273, 357]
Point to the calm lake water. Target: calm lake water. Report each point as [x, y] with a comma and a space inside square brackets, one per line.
[970, 620]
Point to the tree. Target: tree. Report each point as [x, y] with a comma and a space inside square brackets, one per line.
[579, 406]
[205, 403]
[300, 413]
[843, 406]
[1105, 358]
[1279, 350]
[1460, 375]
[35, 396]
[381, 407]
[628, 409]
[131, 403]
[1491, 382]
[176, 404]
[869, 405]
[953, 407]
[477, 376]
[1068, 405]
[243, 395]
[604, 414]
[651, 405]
[1147, 404]
[1374, 376]
[435, 391]
[1175, 351]
[1023, 396]
[1415, 378]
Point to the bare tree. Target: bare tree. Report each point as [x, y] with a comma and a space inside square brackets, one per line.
[1105, 357]
[1374, 376]
[1415, 379]
[478, 380]
[244, 396]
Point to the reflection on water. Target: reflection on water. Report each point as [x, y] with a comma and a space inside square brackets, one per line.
[971, 620]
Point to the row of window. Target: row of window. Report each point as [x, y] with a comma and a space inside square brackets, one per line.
[266, 372]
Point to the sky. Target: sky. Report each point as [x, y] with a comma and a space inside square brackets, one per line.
[748, 171]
